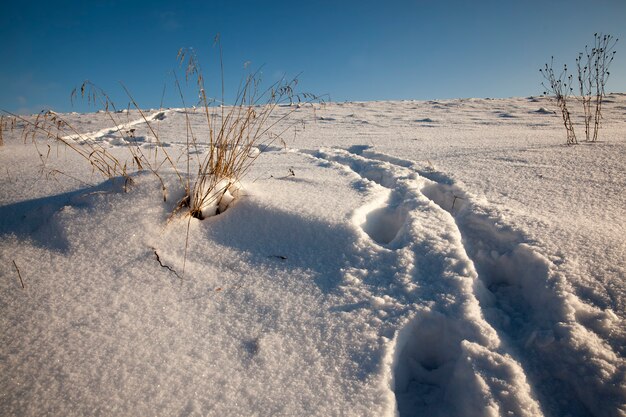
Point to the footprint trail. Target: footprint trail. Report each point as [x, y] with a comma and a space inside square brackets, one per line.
[445, 347]
[521, 296]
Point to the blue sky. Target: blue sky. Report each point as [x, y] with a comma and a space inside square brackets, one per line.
[350, 50]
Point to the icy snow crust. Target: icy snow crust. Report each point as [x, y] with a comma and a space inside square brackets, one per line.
[442, 258]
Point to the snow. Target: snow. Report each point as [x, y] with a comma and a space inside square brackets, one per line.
[439, 258]
[215, 196]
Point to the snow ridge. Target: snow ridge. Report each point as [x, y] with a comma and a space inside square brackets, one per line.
[121, 134]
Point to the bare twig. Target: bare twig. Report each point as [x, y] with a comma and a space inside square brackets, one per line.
[19, 275]
[291, 173]
[169, 268]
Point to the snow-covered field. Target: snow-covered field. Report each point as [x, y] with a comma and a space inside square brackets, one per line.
[440, 258]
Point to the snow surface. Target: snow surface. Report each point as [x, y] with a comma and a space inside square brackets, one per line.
[440, 258]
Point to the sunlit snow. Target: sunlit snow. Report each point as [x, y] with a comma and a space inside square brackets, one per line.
[414, 258]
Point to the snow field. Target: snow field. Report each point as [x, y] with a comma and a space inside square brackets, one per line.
[396, 258]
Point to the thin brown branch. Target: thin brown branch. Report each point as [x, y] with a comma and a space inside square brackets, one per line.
[169, 268]
[19, 274]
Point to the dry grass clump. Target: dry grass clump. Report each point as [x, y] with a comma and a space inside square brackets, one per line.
[213, 166]
[235, 135]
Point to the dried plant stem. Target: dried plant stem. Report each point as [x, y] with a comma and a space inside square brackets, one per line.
[19, 274]
[593, 72]
[603, 54]
[169, 268]
[560, 87]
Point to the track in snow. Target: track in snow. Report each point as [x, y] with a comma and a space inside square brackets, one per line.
[446, 350]
[521, 298]
[528, 302]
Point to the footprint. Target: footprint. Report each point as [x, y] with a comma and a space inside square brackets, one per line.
[437, 371]
[425, 352]
[381, 220]
[384, 224]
